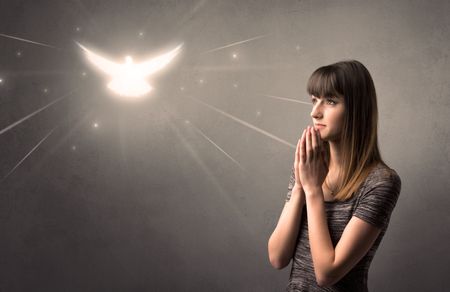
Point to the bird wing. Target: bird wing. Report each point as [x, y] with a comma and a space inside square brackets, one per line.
[149, 67]
[101, 63]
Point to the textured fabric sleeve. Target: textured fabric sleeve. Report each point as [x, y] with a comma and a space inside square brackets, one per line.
[379, 199]
[291, 184]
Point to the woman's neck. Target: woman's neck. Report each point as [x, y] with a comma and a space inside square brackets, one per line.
[335, 155]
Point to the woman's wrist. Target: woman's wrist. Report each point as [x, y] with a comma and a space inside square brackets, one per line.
[297, 191]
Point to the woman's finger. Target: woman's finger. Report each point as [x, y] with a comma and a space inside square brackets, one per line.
[309, 153]
[297, 150]
[314, 143]
[319, 139]
[303, 148]
[321, 143]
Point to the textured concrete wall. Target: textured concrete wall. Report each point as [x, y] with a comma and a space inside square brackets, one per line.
[101, 194]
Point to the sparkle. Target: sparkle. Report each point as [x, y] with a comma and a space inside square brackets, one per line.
[1, 81]
[95, 125]
[234, 56]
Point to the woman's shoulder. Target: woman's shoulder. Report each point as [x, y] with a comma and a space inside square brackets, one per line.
[382, 173]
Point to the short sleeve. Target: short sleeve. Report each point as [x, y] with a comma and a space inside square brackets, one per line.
[379, 199]
[291, 184]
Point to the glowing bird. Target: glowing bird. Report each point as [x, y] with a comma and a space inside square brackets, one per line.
[129, 78]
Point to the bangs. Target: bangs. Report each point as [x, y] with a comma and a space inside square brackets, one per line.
[323, 82]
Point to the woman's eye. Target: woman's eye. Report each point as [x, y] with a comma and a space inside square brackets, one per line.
[329, 100]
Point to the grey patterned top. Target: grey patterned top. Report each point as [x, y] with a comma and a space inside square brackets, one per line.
[373, 202]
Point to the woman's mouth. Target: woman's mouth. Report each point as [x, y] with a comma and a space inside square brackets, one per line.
[319, 126]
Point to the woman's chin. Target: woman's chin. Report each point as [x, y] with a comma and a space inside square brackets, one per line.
[324, 137]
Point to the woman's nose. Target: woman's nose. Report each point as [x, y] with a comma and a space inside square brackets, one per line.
[316, 112]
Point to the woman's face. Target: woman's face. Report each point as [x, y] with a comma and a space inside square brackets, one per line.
[328, 111]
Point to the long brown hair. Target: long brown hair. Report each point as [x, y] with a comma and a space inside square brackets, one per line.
[351, 80]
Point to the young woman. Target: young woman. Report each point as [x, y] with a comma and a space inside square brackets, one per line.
[341, 193]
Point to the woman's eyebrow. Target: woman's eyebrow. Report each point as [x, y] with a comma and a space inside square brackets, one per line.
[334, 97]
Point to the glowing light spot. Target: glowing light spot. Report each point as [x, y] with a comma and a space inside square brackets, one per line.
[182, 88]
[258, 113]
[83, 74]
[19, 54]
[128, 79]
[1, 81]
[235, 85]
[45, 90]
[74, 147]
[141, 34]
[201, 81]
[187, 122]
[95, 125]
[234, 56]
[297, 48]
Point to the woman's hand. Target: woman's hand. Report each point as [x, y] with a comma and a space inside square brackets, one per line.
[313, 160]
[297, 164]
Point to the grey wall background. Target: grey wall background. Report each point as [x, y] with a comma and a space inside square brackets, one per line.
[144, 202]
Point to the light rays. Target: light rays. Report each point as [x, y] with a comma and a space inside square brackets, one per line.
[32, 73]
[236, 43]
[68, 134]
[231, 68]
[217, 146]
[221, 191]
[285, 98]
[267, 134]
[197, 7]
[34, 113]
[28, 41]
[28, 154]
[208, 139]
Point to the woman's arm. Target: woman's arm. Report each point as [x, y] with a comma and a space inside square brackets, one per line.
[282, 242]
[331, 264]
